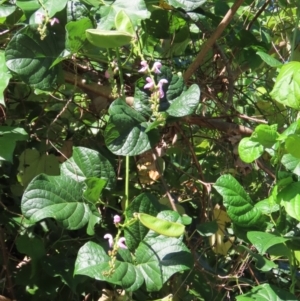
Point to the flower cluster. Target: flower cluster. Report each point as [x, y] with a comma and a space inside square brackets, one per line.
[43, 20]
[145, 67]
[120, 242]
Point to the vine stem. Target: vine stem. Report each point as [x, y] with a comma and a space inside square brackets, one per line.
[295, 35]
[127, 157]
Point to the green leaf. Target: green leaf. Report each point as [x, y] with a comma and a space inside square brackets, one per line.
[57, 197]
[28, 6]
[94, 189]
[25, 245]
[268, 59]
[5, 77]
[123, 23]
[207, 229]
[267, 292]
[186, 103]
[267, 206]
[160, 226]
[135, 10]
[263, 241]
[250, 149]
[76, 34]
[289, 197]
[108, 38]
[93, 261]
[94, 219]
[125, 132]
[291, 163]
[32, 64]
[292, 145]
[287, 86]
[158, 258]
[32, 163]
[266, 135]
[135, 233]
[53, 6]
[237, 202]
[5, 11]
[8, 137]
[87, 163]
[187, 5]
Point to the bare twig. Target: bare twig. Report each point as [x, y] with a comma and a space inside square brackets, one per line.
[258, 13]
[209, 43]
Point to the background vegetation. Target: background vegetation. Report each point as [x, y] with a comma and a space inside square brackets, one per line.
[149, 150]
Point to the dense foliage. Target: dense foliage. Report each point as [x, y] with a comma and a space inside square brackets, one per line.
[149, 150]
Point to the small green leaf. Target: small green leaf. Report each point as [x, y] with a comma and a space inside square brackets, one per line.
[53, 6]
[187, 5]
[267, 292]
[250, 149]
[160, 226]
[108, 38]
[57, 197]
[263, 241]
[94, 189]
[186, 103]
[292, 145]
[237, 202]
[287, 86]
[268, 59]
[207, 229]
[8, 137]
[76, 34]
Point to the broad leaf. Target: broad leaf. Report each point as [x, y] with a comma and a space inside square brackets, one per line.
[33, 63]
[263, 241]
[8, 137]
[267, 292]
[94, 189]
[135, 10]
[93, 261]
[186, 103]
[53, 6]
[187, 5]
[135, 233]
[291, 163]
[87, 163]
[238, 203]
[266, 135]
[57, 197]
[125, 132]
[287, 86]
[32, 163]
[250, 149]
[207, 229]
[290, 199]
[292, 145]
[5, 77]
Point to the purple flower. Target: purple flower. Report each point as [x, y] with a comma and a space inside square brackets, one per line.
[107, 74]
[150, 84]
[117, 219]
[121, 243]
[144, 66]
[160, 87]
[39, 17]
[156, 67]
[53, 21]
[110, 239]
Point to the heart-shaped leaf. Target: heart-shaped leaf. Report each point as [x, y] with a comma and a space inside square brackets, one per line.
[57, 197]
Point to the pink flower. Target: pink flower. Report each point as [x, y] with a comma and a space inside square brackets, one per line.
[110, 239]
[156, 67]
[150, 84]
[160, 87]
[107, 74]
[144, 66]
[121, 243]
[53, 21]
[39, 17]
[117, 219]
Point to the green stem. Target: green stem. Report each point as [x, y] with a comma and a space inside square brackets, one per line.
[295, 35]
[127, 182]
[120, 73]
